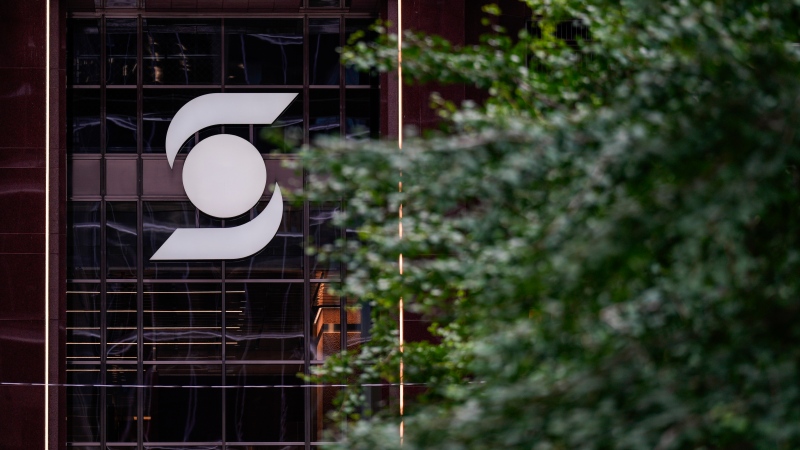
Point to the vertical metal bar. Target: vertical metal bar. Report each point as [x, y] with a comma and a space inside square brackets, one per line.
[139, 231]
[306, 78]
[342, 84]
[306, 315]
[103, 285]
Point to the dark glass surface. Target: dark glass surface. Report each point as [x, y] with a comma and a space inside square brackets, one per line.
[121, 51]
[83, 240]
[83, 127]
[121, 3]
[121, 121]
[264, 321]
[121, 333]
[323, 59]
[285, 134]
[181, 51]
[179, 412]
[83, 404]
[159, 220]
[83, 42]
[282, 257]
[121, 239]
[182, 321]
[321, 404]
[121, 410]
[351, 75]
[323, 3]
[361, 113]
[266, 52]
[83, 322]
[159, 107]
[323, 233]
[323, 113]
[271, 414]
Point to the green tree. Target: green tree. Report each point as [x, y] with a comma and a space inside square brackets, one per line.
[608, 249]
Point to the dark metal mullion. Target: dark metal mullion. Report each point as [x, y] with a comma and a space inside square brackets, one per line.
[139, 234]
[341, 79]
[306, 269]
[103, 275]
[306, 78]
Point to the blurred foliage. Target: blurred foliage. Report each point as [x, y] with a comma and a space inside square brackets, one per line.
[608, 248]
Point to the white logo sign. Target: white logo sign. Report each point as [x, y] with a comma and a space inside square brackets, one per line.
[224, 176]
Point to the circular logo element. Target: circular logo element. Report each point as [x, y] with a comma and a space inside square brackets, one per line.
[224, 176]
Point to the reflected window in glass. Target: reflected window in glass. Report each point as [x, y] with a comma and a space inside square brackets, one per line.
[121, 51]
[181, 51]
[265, 52]
[83, 40]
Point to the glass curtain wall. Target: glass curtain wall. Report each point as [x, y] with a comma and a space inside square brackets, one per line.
[191, 355]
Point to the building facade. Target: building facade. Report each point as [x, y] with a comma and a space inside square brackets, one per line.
[103, 347]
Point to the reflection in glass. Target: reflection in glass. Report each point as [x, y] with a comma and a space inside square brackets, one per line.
[121, 121]
[83, 129]
[361, 113]
[83, 40]
[181, 51]
[120, 51]
[159, 220]
[285, 134]
[121, 239]
[83, 322]
[321, 404]
[83, 240]
[182, 321]
[273, 414]
[323, 59]
[351, 75]
[282, 257]
[325, 321]
[121, 336]
[264, 51]
[180, 412]
[159, 108]
[323, 113]
[264, 321]
[83, 404]
[323, 233]
[121, 411]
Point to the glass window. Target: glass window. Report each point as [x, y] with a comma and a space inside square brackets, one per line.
[265, 52]
[84, 43]
[353, 76]
[325, 322]
[258, 410]
[323, 113]
[361, 113]
[121, 121]
[83, 322]
[182, 321]
[121, 51]
[83, 403]
[264, 321]
[323, 59]
[323, 3]
[285, 135]
[181, 405]
[121, 239]
[121, 320]
[83, 127]
[322, 233]
[181, 51]
[121, 403]
[83, 240]
[158, 109]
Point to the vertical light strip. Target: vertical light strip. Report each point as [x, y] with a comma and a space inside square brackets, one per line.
[400, 189]
[47, 228]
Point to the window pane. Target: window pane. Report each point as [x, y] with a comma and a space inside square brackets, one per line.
[121, 51]
[160, 219]
[325, 322]
[264, 321]
[121, 239]
[321, 404]
[84, 44]
[282, 257]
[323, 3]
[285, 135]
[121, 410]
[324, 113]
[323, 59]
[83, 404]
[351, 75]
[83, 127]
[83, 240]
[182, 321]
[361, 113]
[121, 121]
[159, 108]
[264, 51]
[121, 336]
[266, 414]
[323, 233]
[178, 412]
[181, 51]
[83, 322]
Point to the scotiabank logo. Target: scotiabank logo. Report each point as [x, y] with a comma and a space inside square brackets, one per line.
[224, 176]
